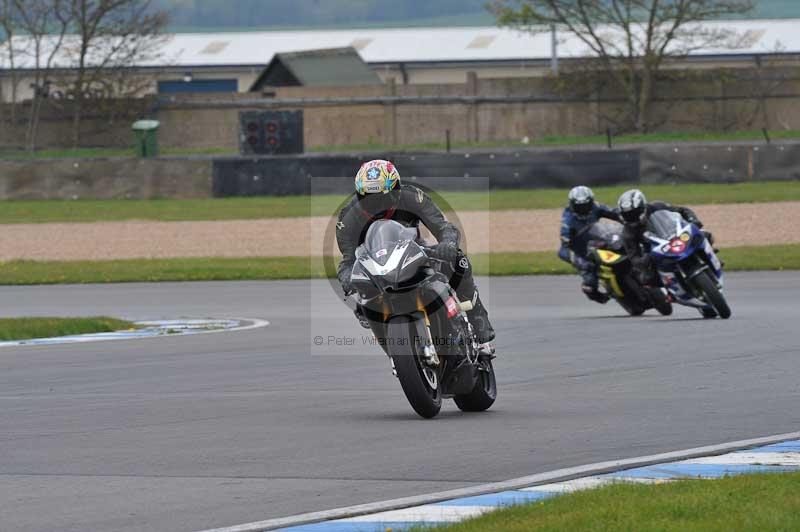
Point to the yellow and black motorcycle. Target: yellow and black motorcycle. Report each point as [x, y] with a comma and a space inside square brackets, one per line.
[617, 275]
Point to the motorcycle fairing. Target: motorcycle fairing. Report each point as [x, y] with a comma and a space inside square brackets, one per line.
[676, 245]
[606, 273]
[609, 257]
[396, 263]
[669, 247]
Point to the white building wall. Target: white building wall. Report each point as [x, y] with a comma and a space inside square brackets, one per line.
[416, 74]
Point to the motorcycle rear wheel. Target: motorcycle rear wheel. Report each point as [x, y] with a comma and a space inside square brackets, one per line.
[634, 309]
[708, 286]
[423, 398]
[483, 396]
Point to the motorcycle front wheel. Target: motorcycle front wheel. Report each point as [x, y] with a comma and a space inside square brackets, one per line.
[419, 381]
[707, 285]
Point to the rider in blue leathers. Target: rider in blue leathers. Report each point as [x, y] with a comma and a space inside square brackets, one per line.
[578, 217]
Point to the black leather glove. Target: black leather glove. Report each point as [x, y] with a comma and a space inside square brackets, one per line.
[446, 251]
[693, 219]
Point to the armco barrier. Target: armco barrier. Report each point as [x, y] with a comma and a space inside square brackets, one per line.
[105, 178]
[200, 177]
[719, 163]
[442, 171]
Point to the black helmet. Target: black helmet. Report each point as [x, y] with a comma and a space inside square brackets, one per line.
[632, 207]
[581, 201]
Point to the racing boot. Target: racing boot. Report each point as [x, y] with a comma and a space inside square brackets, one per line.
[594, 294]
[589, 284]
[484, 332]
[464, 285]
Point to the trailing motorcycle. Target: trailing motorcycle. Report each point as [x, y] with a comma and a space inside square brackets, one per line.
[616, 274]
[420, 323]
[687, 264]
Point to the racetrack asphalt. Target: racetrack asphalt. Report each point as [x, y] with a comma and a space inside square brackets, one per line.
[189, 433]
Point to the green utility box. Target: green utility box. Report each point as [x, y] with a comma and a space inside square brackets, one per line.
[146, 133]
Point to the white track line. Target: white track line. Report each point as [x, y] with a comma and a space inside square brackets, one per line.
[580, 484]
[513, 484]
[426, 514]
[185, 327]
[745, 458]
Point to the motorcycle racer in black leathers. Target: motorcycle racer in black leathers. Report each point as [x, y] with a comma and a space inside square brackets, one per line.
[379, 195]
[578, 217]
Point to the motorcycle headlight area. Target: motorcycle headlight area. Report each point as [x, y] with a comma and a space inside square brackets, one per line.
[676, 245]
[362, 282]
[400, 265]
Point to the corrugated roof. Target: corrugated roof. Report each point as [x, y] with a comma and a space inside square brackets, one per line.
[331, 66]
[423, 44]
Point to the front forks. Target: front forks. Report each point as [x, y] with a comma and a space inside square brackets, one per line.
[429, 354]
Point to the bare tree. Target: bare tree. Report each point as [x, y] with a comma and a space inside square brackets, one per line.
[44, 23]
[113, 36]
[630, 40]
[8, 24]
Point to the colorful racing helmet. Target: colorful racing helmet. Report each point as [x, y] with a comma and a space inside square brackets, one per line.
[378, 188]
[377, 177]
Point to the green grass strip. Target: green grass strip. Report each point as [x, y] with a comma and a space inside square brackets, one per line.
[564, 140]
[156, 270]
[780, 257]
[763, 502]
[26, 211]
[553, 140]
[28, 328]
[745, 258]
[98, 153]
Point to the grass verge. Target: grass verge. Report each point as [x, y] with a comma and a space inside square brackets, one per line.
[562, 140]
[745, 258]
[782, 257]
[28, 328]
[169, 210]
[553, 140]
[94, 153]
[764, 502]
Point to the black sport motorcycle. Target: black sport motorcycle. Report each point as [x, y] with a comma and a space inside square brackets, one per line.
[618, 276]
[418, 320]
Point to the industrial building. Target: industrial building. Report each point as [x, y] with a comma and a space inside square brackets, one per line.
[235, 62]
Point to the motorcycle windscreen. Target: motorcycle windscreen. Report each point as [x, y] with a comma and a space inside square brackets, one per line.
[608, 233]
[665, 224]
[383, 236]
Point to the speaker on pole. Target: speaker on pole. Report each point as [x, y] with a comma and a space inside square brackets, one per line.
[270, 132]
